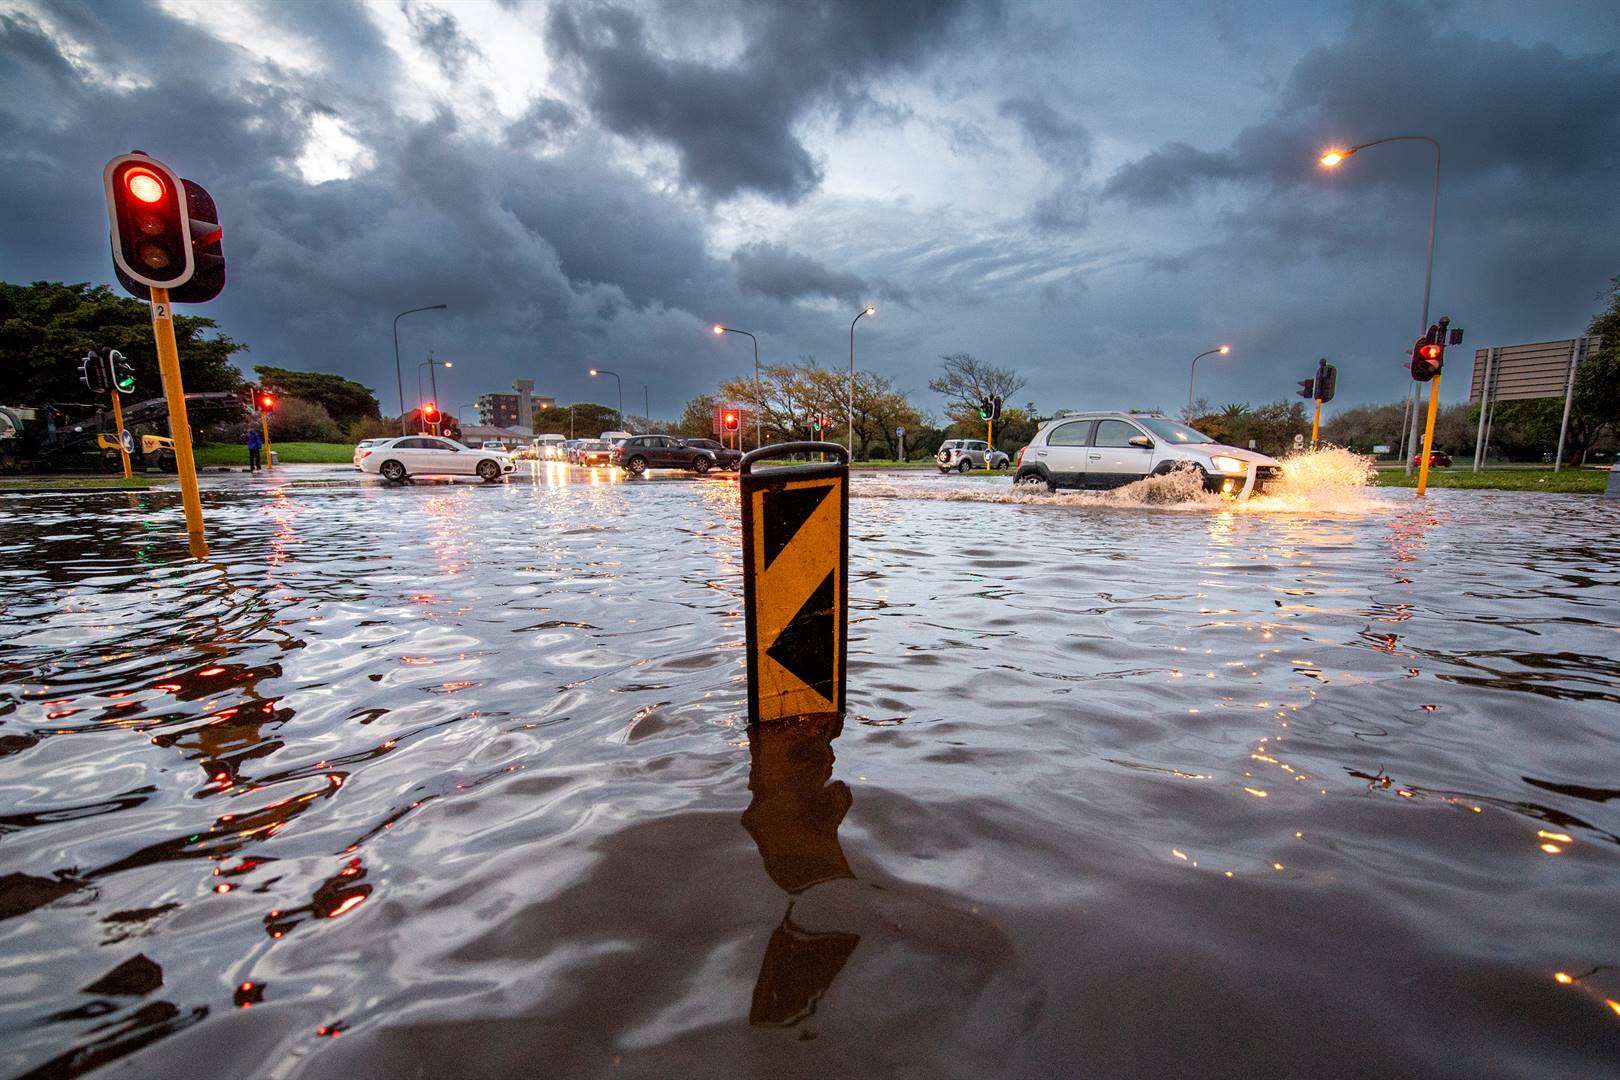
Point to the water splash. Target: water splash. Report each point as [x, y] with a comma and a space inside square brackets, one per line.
[1329, 479]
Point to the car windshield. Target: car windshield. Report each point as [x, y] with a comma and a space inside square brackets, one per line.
[1172, 432]
[593, 444]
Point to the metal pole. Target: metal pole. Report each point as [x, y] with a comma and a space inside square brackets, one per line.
[851, 442]
[1576, 347]
[759, 412]
[1428, 278]
[174, 393]
[398, 376]
[118, 425]
[1484, 406]
[1428, 436]
[1193, 374]
[646, 405]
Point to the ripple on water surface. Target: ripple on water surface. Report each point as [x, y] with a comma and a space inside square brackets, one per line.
[452, 780]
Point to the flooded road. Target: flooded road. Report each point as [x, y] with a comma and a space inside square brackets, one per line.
[452, 780]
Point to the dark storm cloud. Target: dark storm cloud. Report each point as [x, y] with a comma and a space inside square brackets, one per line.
[1058, 139]
[732, 126]
[1497, 107]
[774, 271]
[544, 123]
[438, 32]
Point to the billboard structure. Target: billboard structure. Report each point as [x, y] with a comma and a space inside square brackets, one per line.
[1542, 369]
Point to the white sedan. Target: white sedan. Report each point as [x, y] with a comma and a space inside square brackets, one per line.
[431, 455]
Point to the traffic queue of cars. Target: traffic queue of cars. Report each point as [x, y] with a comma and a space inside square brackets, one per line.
[399, 459]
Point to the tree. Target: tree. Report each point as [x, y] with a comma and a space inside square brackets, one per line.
[344, 400]
[581, 420]
[964, 381]
[47, 326]
[787, 398]
[1595, 406]
[297, 420]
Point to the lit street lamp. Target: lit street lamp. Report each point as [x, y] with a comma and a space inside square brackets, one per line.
[1221, 350]
[1332, 158]
[759, 386]
[604, 371]
[399, 378]
[868, 310]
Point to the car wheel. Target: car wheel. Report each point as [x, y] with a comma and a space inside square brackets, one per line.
[1032, 479]
[636, 465]
[963, 466]
[392, 471]
[700, 465]
[489, 471]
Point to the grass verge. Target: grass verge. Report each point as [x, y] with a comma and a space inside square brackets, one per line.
[1578, 481]
[139, 482]
[288, 453]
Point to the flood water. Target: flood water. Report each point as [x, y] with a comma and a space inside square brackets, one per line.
[455, 780]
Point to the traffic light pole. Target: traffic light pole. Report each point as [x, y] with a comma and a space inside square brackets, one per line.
[264, 429]
[174, 394]
[118, 425]
[1428, 435]
[1316, 423]
[989, 442]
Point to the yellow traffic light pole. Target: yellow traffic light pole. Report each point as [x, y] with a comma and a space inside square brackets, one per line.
[118, 423]
[1428, 435]
[1316, 423]
[989, 442]
[174, 393]
[264, 428]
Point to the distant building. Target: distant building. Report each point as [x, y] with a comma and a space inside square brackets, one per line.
[513, 410]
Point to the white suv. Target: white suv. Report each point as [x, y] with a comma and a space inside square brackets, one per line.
[960, 455]
[1110, 449]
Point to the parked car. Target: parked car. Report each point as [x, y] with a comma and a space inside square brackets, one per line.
[550, 447]
[724, 456]
[614, 436]
[960, 455]
[592, 452]
[1438, 459]
[492, 444]
[638, 453]
[362, 445]
[1111, 449]
[430, 455]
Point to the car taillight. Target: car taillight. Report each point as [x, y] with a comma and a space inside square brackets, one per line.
[365, 453]
[1019, 460]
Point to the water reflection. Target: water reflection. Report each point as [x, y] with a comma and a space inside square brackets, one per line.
[794, 817]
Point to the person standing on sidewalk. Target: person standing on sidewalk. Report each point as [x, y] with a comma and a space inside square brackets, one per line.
[255, 443]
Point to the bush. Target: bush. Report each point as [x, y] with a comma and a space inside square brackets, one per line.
[302, 421]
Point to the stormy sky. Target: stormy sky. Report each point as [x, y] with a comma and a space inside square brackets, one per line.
[1085, 193]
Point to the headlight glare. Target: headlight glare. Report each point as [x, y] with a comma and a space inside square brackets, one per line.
[1227, 464]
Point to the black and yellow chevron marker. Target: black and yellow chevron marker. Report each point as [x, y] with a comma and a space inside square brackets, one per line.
[795, 532]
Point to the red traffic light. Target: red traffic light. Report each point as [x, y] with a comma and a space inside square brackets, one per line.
[148, 212]
[430, 412]
[267, 402]
[144, 184]
[1430, 351]
[730, 420]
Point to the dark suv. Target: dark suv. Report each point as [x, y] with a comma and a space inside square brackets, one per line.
[724, 456]
[639, 453]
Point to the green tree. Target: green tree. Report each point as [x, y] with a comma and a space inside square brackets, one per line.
[47, 326]
[581, 420]
[1595, 406]
[964, 380]
[344, 400]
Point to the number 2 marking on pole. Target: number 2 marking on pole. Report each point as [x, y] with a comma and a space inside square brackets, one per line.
[160, 311]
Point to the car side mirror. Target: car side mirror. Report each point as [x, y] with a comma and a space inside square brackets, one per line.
[1143, 441]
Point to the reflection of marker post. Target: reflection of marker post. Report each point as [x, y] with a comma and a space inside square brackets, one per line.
[795, 538]
[174, 393]
[1428, 434]
[118, 423]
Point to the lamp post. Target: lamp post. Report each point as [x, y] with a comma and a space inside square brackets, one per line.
[646, 405]
[1331, 159]
[398, 377]
[430, 363]
[867, 310]
[1220, 350]
[604, 371]
[759, 385]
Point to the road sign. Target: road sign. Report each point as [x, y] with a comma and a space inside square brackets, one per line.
[899, 432]
[1299, 441]
[795, 535]
[127, 441]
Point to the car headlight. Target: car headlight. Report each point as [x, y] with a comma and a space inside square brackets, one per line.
[1227, 464]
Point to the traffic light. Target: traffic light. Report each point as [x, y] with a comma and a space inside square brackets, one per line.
[164, 231]
[1429, 354]
[267, 401]
[430, 412]
[93, 373]
[119, 371]
[1327, 381]
[995, 408]
[729, 419]
[1307, 388]
[984, 408]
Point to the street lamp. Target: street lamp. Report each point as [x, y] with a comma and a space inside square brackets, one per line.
[759, 385]
[1221, 350]
[399, 378]
[868, 310]
[1331, 159]
[604, 371]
